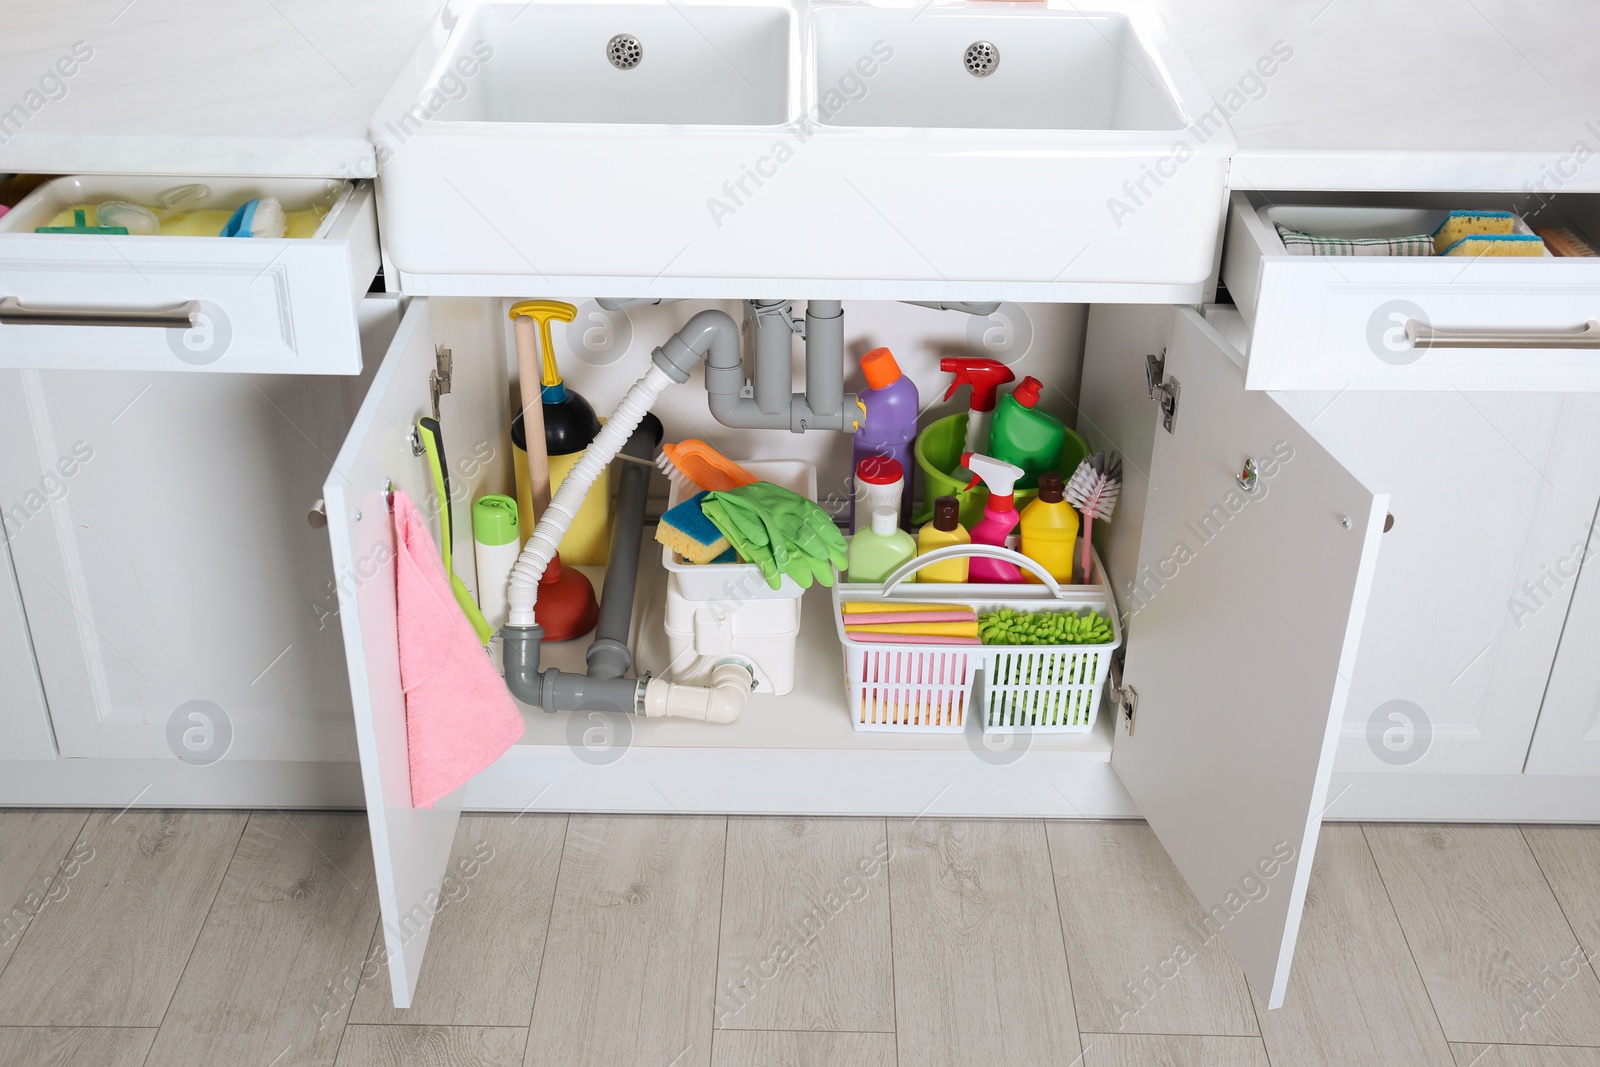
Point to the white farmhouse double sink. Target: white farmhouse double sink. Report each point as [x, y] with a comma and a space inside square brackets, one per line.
[674, 148]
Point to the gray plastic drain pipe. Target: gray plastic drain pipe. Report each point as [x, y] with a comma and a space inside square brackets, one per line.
[608, 655]
[713, 336]
[603, 688]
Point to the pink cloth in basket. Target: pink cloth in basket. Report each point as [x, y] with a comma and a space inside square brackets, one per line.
[459, 715]
[908, 639]
[889, 618]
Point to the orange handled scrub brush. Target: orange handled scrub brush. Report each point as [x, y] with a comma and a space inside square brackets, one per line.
[1093, 490]
[693, 466]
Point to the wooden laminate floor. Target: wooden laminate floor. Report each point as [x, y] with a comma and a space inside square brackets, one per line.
[153, 939]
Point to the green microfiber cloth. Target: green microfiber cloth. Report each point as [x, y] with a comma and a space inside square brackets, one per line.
[685, 529]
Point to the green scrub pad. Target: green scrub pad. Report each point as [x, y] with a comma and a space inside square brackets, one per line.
[686, 530]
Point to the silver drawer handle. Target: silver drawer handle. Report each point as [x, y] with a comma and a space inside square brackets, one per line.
[1421, 335]
[179, 317]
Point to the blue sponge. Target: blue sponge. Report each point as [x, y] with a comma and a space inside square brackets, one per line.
[686, 530]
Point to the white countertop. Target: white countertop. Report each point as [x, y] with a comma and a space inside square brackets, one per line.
[242, 87]
[1404, 94]
[1377, 94]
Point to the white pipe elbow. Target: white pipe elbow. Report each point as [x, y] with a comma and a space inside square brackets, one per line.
[722, 701]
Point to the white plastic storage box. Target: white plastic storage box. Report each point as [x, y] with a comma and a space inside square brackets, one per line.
[720, 609]
[700, 633]
[929, 688]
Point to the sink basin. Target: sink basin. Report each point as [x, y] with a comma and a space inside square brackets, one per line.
[833, 149]
[1029, 68]
[683, 63]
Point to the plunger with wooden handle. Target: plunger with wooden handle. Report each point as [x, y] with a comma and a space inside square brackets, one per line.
[567, 607]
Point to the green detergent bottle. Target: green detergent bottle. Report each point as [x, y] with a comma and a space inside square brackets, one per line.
[1026, 435]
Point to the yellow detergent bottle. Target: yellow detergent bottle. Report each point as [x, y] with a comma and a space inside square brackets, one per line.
[944, 530]
[1050, 530]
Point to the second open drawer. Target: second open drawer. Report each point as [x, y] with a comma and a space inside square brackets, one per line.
[1426, 322]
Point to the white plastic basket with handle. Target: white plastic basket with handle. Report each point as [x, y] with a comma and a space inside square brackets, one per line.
[928, 688]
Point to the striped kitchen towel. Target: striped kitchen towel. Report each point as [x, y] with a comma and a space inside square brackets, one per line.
[1305, 244]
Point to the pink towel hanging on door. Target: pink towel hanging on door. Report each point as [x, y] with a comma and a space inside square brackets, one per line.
[459, 715]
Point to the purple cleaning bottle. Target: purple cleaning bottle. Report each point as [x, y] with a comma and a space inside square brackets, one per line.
[890, 426]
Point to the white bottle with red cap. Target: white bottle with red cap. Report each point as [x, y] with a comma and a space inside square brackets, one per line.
[880, 480]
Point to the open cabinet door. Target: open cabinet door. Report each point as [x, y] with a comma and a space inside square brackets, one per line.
[1242, 620]
[410, 846]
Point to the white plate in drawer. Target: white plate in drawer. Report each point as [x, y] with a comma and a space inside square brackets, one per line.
[255, 306]
[1355, 322]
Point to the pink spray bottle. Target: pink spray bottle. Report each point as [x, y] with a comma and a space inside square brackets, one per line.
[999, 517]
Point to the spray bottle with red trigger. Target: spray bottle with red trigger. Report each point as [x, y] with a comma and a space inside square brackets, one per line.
[986, 376]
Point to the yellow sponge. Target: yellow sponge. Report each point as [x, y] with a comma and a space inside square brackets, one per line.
[1459, 224]
[685, 529]
[1497, 244]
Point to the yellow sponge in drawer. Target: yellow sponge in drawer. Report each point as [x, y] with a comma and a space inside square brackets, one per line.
[1497, 244]
[1459, 224]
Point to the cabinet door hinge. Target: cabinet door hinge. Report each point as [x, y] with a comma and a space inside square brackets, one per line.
[1124, 698]
[1163, 390]
[439, 377]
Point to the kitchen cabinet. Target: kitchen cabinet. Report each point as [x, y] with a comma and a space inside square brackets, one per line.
[1232, 775]
[1567, 738]
[1487, 442]
[179, 604]
[1469, 601]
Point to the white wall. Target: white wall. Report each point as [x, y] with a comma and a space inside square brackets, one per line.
[1044, 340]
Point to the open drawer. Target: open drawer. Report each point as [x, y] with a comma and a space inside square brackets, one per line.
[1424, 322]
[152, 303]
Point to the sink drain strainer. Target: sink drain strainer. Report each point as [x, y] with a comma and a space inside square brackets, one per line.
[624, 51]
[982, 58]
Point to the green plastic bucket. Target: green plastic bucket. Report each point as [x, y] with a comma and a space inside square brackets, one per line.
[938, 450]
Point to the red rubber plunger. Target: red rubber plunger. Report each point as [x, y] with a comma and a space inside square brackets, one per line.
[566, 607]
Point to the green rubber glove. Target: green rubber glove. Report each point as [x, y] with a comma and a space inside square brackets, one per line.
[748, 538]
[787, 533]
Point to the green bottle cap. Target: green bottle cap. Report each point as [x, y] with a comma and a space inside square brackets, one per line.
[494, 520]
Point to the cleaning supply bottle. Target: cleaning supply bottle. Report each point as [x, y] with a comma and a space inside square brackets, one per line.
[999, 517]
[891, 404]
[495, 546]
[876, 551]
[1050, 529]
[986, 376]
[880, 482]
[943, 531]
[1026, 435]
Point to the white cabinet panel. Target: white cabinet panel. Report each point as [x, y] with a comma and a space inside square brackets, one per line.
[1243, 625]
[24, 718]
[1493, 495]
[1567, 738]
[179, 602]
